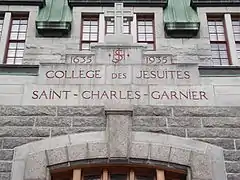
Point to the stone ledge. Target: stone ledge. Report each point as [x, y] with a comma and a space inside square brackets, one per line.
[26, 70]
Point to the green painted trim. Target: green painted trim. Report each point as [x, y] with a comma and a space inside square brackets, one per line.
[180, 16]
[56, 15]
[19, 74]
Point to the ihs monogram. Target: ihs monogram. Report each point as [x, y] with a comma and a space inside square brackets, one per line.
[118, 55]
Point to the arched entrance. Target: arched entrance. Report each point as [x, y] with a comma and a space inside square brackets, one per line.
[158, 152]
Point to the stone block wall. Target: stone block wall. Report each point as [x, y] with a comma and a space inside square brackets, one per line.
[20, 125]
[216, 125]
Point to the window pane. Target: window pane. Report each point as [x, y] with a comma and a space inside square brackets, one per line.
[24, 21]
[141, 29]
[21, 36]
[219, 23]
[214, 46]
[20, 45]
[220, 29]
[236, 29]
[94, 37]
[94, 23]
[144, 177]
[237, 37]
[23, 28]
[14, 36]
[223, 54]
[18, 61]
[211, 23]
[235, 23]
[86, 28]
[126, 30]
[94, 177]
[15, 28]
[11, 53]
[141, 23]
[224, 62]
[213, 37]
[222, 46]
[141, 37]
[10, 60]
[110, 22]
[149, 29]
[86, 37]
[118, 177]
[94, 29]
[212, 29]
[19, 53]
[12, 45]
[149, 23]
[15, 21]
[221, 37]
[149, 37]
[86, 22]
[110, 29]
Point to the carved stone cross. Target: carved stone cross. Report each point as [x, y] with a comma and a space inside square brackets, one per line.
[119, 14]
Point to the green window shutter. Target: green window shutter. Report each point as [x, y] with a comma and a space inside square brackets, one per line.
[180, 19]
[55, 18]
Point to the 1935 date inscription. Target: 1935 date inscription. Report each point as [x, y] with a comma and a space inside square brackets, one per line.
[158, 59]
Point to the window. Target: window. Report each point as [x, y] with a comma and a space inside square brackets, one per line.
[110, 26]
[236, 33]
[90, 31]
[218, 42]
[17, 37]
[1, 26]
[119, 173]
[145, 31]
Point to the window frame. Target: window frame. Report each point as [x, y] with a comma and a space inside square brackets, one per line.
[104, 172]
[16, 16]
[237, 42]
[128, 25]
[147, 17]
[217, 17]
[90, 17]
[1, 24]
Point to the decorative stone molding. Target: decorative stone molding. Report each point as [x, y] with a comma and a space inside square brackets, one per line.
[31, 161]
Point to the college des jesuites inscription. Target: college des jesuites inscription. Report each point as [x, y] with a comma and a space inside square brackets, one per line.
[154, 82]
[123, 74]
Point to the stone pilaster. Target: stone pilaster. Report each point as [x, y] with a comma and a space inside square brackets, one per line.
[119, 125]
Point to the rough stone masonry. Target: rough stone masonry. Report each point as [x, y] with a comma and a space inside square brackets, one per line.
[216, 125]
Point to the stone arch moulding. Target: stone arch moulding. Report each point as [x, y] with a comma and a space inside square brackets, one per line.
[31, 161]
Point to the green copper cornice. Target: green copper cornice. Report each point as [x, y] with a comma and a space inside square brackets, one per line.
[55, 15]
[180, 19]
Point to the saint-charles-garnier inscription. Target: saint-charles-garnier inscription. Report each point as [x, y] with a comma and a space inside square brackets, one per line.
[154, 79]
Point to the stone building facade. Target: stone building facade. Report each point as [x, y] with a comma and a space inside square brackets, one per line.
[133, 84]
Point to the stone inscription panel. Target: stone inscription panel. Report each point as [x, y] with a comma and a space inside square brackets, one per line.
[112, 96]
[118, 74]
[120, 56]
[80, 59]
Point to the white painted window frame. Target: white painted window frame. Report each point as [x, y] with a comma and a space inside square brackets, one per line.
[4, 37]
[230, 39]
[203, 13]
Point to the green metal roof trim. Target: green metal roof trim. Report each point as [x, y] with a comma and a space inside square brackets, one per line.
[55, 15]
[180, 19]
